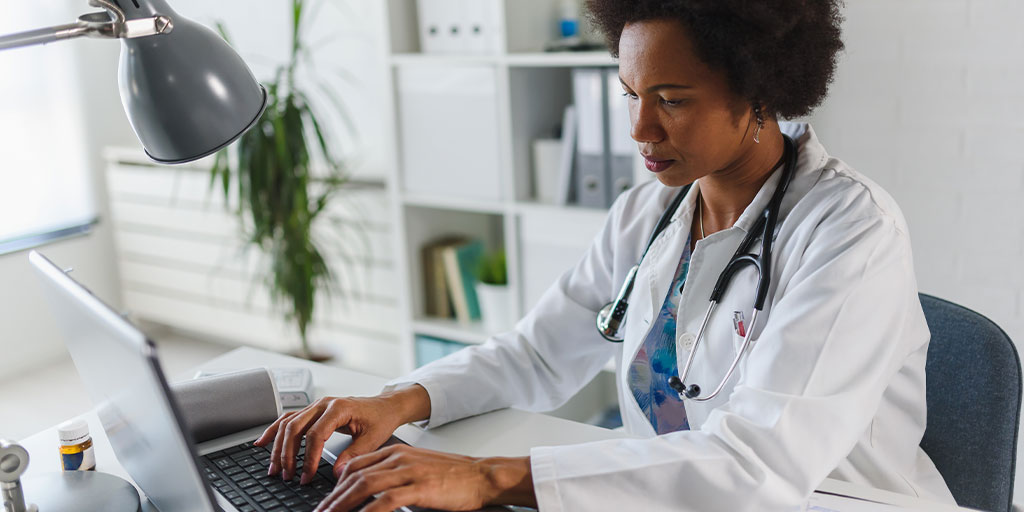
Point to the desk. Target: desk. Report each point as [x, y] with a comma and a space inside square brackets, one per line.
[508, 432]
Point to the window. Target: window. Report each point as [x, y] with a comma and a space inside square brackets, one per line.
[45, 186]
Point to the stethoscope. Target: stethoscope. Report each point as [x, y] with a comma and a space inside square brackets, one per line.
[612, 314]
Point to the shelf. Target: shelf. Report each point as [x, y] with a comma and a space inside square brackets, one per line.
[515, 60]
[421, 59]
[560, 59]
[451, 329]
[533, 207]
[454, 203]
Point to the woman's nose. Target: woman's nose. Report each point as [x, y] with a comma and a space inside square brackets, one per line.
[645, 125]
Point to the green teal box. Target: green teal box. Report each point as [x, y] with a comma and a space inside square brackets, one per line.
[430, 349]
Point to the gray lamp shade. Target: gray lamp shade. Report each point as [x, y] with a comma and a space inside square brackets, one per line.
[187, 93]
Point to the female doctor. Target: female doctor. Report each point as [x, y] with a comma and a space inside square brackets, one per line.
[830, 381]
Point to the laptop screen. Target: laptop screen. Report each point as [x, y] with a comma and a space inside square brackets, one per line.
[120, 371]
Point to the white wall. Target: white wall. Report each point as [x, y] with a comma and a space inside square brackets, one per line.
[929, 102]
[347, 45]
[28, 337]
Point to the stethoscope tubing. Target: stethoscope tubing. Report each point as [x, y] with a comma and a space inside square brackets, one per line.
[612, 314]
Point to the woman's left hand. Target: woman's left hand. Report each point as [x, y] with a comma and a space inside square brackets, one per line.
[402, 475]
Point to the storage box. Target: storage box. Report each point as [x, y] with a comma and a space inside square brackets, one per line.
[449, 124]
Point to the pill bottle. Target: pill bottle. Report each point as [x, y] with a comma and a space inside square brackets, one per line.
[76, 452]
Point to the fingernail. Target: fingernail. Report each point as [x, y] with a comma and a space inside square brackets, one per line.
[273, 469]
[305, 479]
[287, 475]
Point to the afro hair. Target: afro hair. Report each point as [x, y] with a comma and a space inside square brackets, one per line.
[780, 54]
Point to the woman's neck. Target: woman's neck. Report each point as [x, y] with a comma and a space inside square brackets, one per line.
[725, 194]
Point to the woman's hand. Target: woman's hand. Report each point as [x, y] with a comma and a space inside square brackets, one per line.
[402, 475]
[370, 421]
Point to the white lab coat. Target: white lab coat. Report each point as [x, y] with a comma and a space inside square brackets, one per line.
[834, 385]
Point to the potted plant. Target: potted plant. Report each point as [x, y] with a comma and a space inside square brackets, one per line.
[285, 173]
[497, 311]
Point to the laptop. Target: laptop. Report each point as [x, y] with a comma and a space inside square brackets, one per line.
[122, 375]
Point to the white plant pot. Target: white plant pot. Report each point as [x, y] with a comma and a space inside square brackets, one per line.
[496, 308]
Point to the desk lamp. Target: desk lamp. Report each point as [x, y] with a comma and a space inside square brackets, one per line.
[186, 92]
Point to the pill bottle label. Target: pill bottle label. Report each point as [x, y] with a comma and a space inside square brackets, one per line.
[78, 457]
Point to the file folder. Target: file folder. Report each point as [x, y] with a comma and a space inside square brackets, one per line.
[481, 25]
[589, 90]
[621, 147]
[431, 20]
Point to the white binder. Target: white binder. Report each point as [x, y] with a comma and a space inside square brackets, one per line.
[591, 162]
[622, 149]
[431, 20]
[482, 28]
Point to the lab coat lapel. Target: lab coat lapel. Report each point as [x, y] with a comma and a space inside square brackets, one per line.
[653, 278]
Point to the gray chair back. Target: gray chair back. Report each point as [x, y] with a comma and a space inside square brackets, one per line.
[974, 399]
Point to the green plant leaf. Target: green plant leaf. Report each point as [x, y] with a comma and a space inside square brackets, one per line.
[279, 201]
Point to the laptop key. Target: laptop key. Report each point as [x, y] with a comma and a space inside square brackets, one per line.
[245, 484]
[245, 461]
[239, 476]
[254, 468]
[326, 471]
[233, 470]
[261, 497]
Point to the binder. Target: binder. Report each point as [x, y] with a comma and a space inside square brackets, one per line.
[621, 147]
[589, 90]
[452, 23]
[481, 26]
[431, 21]
[565, 169]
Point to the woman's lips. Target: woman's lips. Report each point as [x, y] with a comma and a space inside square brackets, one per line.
[657, 165]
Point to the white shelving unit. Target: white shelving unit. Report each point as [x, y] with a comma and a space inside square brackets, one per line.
[531, 90]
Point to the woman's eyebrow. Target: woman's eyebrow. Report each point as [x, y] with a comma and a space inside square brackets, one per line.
[659, 86]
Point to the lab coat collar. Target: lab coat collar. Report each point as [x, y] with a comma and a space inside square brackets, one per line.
[811, 157]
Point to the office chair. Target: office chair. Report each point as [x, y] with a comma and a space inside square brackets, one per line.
[974, 399]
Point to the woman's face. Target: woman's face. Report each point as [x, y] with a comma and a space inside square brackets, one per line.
[682, 112]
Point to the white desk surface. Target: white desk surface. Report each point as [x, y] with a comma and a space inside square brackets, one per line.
[507, 432]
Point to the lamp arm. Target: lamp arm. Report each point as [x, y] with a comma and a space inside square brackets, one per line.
[43, 36]
[96, 24]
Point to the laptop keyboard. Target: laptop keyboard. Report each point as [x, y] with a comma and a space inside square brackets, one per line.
[239, 473]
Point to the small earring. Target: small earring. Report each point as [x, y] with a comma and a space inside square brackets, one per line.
[760, 124]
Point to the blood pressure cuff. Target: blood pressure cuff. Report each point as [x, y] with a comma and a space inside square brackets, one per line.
[223, 404]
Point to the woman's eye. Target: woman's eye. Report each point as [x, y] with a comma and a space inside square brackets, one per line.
[629, 95]
[672, 103]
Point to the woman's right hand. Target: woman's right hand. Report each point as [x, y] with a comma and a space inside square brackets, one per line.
[370, 421]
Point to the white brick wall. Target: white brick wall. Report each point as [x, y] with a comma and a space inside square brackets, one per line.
[929, 102]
